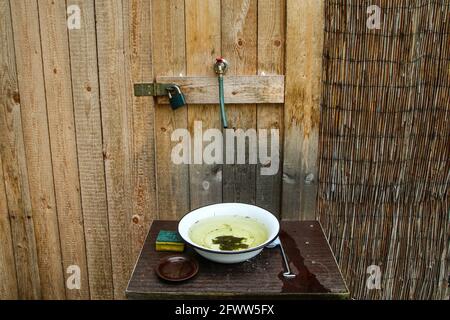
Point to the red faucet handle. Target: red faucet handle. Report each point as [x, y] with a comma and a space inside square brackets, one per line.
[221, 66]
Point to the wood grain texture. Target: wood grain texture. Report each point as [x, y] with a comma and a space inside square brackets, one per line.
[169, 59]
[117, 138]
[85, 88]
[58, 91]
[8, 278]
[238, 88]
[305, 244]
[38, 155]
[16, 233]
[304, 42]
[384, 174]
[203, 45]
[239, 47]
[137, 17]
[271, 49]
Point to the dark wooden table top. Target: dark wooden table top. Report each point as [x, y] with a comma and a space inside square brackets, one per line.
[318, 275]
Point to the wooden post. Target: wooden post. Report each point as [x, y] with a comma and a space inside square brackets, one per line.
[137, 17]
[271, 49]
[33, 105]
[14, 194]
[117, 135]
[239, 37]
[304, 43]
[85, 87]
[58, 91]
[202, 47]
[169, 59]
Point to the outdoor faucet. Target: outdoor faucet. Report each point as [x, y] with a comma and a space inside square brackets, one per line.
[221, 67]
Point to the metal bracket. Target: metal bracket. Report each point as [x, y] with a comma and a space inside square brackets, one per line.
[151, 89]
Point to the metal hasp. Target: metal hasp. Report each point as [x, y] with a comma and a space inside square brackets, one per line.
[221, 67]
[152, 89]
[173, 91]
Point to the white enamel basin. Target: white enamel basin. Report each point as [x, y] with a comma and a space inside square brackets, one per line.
[246, 210]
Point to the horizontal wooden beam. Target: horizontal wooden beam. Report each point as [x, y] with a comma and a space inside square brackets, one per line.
[238, 89]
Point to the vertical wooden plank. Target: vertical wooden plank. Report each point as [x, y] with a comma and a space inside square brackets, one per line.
[304, 42]
[8, 279]
[116, 123]
[202, 47]
[58, 90]
[271, 47]
[37, 146]
[169, 59]
[16, 223]
[239, 47]
[83, 56]
[139, 67]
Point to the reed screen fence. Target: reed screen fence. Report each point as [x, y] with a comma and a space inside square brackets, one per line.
[384, 145]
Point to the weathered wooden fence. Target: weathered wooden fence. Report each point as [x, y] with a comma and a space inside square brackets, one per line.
[86, 165]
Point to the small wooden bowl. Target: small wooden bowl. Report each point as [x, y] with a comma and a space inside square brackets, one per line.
[177, 268]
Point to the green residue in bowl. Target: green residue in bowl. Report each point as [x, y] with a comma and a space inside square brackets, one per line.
[230, 243]
[228, 233]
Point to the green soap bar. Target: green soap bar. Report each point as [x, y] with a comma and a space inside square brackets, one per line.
[169, 236]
